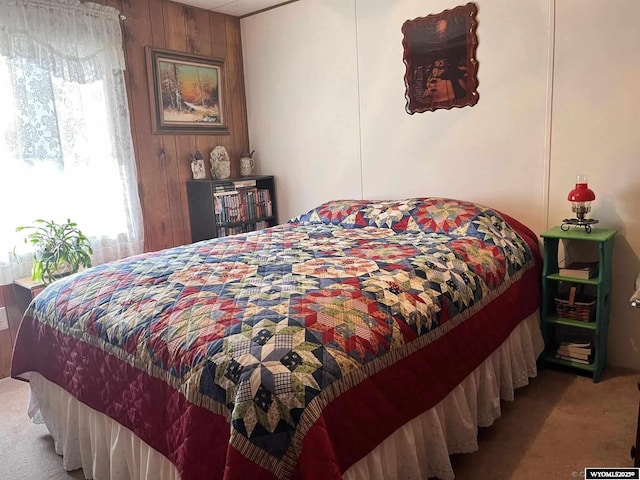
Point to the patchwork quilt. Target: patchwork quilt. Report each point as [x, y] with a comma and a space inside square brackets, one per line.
[292, 351]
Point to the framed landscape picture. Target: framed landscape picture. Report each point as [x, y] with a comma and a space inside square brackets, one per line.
[439, 56]
[186, 93]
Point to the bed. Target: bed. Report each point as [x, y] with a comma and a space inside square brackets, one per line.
[362, 339]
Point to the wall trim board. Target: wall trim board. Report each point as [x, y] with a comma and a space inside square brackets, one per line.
[359, 127]
[546, 178]
[268, 8]
[6, 340]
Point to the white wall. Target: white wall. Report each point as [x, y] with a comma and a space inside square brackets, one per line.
[596, 130]
[302, 101]
[486, 146]
[325, 96]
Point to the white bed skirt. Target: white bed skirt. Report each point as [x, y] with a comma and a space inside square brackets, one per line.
[420, 449]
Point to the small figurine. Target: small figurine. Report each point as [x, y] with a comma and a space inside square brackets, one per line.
[220, 163]
[197, 166]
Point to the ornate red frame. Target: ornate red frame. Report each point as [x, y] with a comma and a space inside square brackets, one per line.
[439, 55]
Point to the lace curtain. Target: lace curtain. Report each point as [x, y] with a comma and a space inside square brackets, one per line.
[65, 142]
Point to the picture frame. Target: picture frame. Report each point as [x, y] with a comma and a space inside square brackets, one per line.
[186, 92]
[439, 53]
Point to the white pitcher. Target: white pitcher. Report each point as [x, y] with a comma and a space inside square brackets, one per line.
[246, 164]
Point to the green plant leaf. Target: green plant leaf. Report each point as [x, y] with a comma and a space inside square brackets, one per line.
[56, 246]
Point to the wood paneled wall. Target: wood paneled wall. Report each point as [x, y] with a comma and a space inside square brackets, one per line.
[5, 342]
[163, 160]
[15, 308]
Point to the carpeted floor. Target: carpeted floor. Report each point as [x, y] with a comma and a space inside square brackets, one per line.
[557, 426]
[26, 450]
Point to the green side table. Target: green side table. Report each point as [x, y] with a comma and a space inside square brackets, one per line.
[555, 326]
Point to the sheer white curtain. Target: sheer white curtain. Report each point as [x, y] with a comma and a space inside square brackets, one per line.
[65, 142]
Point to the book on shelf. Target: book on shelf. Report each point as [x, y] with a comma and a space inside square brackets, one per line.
[575, 347]
[577, 340]
[574, 353]
[223, 187]
[264, 203]
[242, 204]
[572, 359]
[217, 209]
[584, 270]
[222, 193]
[244, 183]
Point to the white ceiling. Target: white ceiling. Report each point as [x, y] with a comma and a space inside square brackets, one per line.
[237, 8]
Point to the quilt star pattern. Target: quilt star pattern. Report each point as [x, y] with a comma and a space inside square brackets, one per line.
[255, 327]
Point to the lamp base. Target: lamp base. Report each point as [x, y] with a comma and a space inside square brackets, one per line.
[567, 223]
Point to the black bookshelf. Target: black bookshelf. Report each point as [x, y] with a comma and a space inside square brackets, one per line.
[223, 207]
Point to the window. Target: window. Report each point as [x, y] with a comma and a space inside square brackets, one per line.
[65, 143]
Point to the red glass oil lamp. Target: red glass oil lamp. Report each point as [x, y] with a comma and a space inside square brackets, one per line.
[580, 197]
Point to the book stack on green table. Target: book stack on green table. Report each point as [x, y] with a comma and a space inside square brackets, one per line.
[584, 270]
[579, 352]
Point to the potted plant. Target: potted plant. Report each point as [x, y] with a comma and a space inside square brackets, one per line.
[60, 249]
